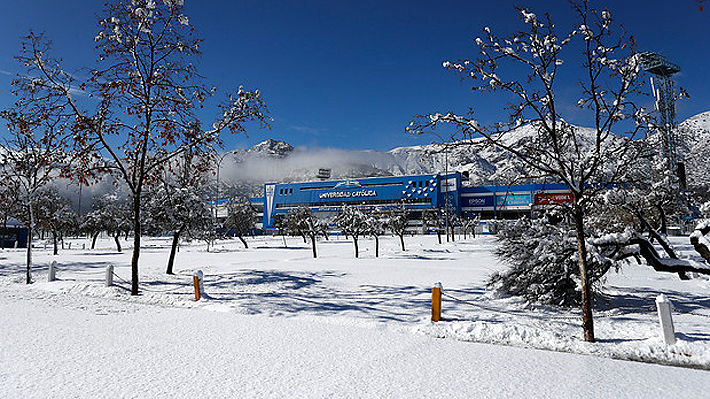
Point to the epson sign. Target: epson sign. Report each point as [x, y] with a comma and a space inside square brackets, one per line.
[480, 201]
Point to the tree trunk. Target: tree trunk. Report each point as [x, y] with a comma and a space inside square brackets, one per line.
[136, 242]
[587, 318]
[377, 247]
[30, 231]
[438, 235]
[93, 239]
[243, 241]
[313, 241]
[54, 242]
[117, 240]
[173, 250]
[356, 248]
[401, 240]
[453, 239]
[28, 276]
[662, 215]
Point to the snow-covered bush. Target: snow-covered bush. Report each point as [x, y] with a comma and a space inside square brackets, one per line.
[542, 259]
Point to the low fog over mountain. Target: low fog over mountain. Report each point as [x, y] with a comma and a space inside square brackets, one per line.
[276, 161]
[243, 172]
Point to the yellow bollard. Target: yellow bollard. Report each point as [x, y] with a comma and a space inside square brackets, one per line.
[196, 281]
[436, 302]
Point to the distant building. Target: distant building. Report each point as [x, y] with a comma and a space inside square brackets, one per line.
[417, 192]
[13, 235]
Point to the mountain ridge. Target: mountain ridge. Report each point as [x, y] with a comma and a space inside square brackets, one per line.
[277, 161]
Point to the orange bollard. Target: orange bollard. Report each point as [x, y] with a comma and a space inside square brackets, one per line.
[436, 303]
[196, 281]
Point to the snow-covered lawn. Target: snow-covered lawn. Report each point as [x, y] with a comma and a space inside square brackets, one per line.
[278, 323]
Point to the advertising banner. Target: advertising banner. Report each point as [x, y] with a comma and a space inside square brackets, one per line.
[513, 201]
[478, 203]
[542, 199]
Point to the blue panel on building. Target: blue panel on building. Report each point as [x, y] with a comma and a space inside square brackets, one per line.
[513, 200]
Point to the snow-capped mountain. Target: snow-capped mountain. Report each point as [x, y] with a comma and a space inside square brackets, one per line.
[694, 144]
[277, 161]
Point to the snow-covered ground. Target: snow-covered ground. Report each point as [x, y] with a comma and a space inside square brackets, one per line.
[278, 323]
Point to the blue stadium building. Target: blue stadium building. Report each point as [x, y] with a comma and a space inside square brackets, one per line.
[327, 197]
[417, 192]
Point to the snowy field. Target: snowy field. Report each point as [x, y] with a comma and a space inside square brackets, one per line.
[278, 323]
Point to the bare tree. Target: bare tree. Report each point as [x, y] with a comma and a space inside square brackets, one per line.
[9, 201]
[241, 219]
[398, 221]
[525, 67]
[55, 215]
[146, 90]
[431, 219]
[352, 223]
[31, 155]
[303, 222]
[376, 226]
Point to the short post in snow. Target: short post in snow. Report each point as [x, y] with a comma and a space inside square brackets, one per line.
[197, 280]
[109, 275]
[664, 316]
[436, 302]
[52, 271]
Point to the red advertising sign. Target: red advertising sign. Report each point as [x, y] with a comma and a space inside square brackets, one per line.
[552, 198]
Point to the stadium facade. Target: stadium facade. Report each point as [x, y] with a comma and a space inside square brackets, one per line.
[416, 192]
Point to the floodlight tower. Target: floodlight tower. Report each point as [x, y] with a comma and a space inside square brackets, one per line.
[662, 86]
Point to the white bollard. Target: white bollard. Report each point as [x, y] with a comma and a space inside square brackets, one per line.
[664, 316]
[52, 271]
[109, 275]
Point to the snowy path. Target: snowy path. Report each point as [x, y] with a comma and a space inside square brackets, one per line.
[62, 346]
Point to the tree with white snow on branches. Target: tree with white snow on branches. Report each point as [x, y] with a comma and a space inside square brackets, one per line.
[142, 99]
[397, 221]
[376, 227]
[111, 212]
[176, 204]
[352, 223]
[431, 219]
[241, 219]
[303, 222]
[32, 155]
[525, 66]
[55, 215]
[180, 211]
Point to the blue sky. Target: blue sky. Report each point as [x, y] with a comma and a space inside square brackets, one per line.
[352, 75]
